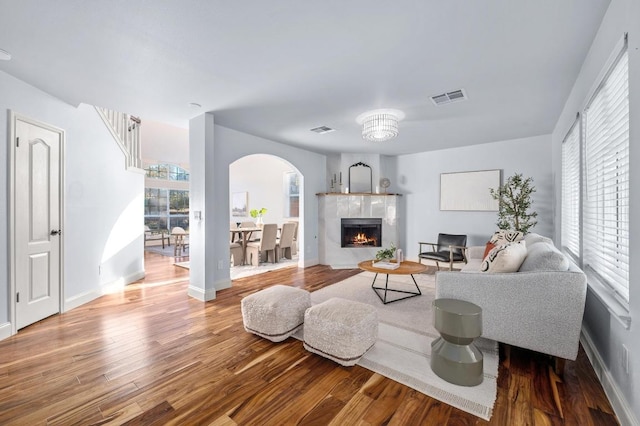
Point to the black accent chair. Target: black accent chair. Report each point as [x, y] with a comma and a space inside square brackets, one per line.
[449, 249]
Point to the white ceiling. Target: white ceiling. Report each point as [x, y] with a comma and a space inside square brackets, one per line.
[278, 68]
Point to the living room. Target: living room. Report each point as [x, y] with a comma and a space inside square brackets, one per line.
[99, 191]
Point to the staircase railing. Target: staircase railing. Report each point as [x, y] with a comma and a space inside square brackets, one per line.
[125, 129]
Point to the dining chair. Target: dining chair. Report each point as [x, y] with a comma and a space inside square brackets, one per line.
[232, 235]
[179, 240]
[265, 248]
[285, 242]
[237, 254]
[294, 246]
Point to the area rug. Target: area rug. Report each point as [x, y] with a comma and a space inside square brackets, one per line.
[403, 349]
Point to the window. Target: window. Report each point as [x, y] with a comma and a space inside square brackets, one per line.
[292, 195]
[571, 190]
[606, 178]
[166, 208]
[166, 204]
[167, 172]
[595, 218]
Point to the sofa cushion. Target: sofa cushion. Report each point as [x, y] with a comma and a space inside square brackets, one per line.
[543, 256]
[505, 258]
[532, 238]
[504, 236]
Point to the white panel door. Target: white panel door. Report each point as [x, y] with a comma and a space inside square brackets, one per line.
[37, 221]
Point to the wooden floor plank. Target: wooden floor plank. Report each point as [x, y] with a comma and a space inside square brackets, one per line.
[150, 354]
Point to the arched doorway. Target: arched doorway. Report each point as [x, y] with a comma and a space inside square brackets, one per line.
[262, 181]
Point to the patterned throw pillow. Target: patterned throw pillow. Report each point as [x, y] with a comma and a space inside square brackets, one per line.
[504, 236]
[505, 258]
[490, 246]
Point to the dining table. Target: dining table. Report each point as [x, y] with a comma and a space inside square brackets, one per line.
[245, 233]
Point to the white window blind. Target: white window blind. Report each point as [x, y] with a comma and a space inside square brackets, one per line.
[606, 190]
[571, 190]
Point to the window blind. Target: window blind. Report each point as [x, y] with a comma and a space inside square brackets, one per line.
[606, 184]
[571, 190]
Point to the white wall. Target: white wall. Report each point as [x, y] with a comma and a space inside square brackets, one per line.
[262, 178]
[103, 202]
[162, 142]
[605, 333]
[418, 179]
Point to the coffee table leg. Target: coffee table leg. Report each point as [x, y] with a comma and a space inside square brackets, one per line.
[386, 289]
[416, 284]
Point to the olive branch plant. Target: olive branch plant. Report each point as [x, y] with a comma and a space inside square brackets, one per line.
[514, 201]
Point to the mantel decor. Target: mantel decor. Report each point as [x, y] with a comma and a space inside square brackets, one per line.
[360, 178]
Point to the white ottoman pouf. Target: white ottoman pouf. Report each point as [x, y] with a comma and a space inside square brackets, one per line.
[341, 330]
[275, 313]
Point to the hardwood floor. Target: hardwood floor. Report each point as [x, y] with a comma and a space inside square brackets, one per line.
[152, 355]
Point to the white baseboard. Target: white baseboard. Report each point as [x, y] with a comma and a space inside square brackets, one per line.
[107, 288]
[200, 294]
[81, 299]
[5, 330]
[616, 397]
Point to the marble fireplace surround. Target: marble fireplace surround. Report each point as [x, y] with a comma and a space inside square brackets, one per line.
[335, 206]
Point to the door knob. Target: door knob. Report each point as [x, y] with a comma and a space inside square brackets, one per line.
[56, 232]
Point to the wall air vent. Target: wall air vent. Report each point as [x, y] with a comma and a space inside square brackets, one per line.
[447, 98]
[322, 130]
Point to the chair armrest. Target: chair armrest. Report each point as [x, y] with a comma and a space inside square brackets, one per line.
[433, 246]
[463, 249]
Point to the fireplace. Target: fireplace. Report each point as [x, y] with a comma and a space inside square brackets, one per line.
[359, 233]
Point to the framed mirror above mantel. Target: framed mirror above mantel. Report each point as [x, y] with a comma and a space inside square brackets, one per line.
[360, 178]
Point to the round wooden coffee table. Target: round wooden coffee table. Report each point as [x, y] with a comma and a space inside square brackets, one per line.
[406, 268]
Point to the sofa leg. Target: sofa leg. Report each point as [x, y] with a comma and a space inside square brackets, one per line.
[558, 365]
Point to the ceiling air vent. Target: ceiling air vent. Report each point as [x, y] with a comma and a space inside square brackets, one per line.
[322, 130]
[447, 98]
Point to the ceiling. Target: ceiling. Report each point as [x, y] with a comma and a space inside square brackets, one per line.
[278, 68]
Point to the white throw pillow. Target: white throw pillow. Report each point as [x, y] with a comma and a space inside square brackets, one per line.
[504, 236]
[505, 258]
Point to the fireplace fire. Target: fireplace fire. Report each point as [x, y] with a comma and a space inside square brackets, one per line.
[361, 233]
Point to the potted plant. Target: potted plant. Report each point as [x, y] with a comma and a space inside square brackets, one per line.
[385, 255]
[514, 198]
[257, 214]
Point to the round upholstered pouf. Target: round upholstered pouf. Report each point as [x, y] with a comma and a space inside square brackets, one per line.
[454, 357]
[341, 330]
[275, 313]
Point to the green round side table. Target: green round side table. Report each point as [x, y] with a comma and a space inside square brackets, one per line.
[454, 356]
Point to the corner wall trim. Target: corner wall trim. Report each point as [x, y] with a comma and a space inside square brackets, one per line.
[616, 397]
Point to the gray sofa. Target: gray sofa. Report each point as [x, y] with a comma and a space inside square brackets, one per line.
[540, 307]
